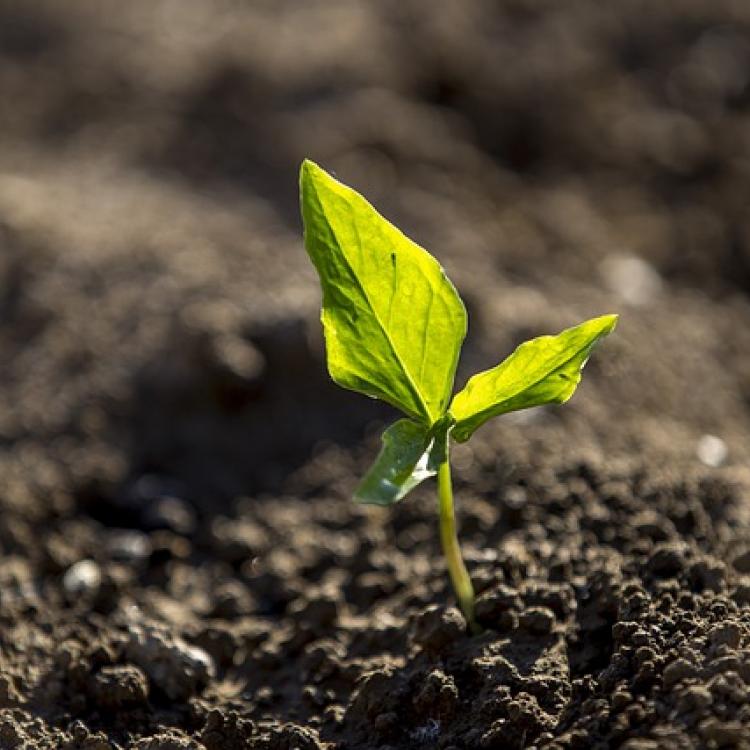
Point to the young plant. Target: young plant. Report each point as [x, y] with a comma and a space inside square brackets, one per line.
[394, 325]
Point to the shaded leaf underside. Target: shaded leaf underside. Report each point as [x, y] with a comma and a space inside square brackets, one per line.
[402, 464]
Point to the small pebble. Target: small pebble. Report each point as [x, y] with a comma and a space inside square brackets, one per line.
[712, 451]
[236, 357]
[129, 546]
[83, 578]
[169, 513]
[632, 279]
[515, 498]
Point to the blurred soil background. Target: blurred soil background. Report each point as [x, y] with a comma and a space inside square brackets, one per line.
[181, 565]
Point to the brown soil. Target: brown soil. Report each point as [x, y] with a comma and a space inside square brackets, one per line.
[181, 564]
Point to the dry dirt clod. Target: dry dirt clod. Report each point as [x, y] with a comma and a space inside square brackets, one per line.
[176, 668]
[498, 607]
[119, 687]
[436, 628]
[725, 634]
[437, 696]
[667, 560]
[679, 669]
[226, 730]
[294, 737]
[537, 620]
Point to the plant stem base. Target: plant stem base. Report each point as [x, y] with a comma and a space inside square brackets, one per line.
[451, 549]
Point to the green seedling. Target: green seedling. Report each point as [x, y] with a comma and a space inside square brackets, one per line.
[394, 325]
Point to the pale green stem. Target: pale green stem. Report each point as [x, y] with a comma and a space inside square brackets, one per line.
[451, 549]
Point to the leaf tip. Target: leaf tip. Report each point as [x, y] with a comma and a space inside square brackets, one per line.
[308, 166]
[307, 172]
[316, 184]
[609, 322]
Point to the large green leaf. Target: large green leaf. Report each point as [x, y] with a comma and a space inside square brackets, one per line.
[545, 370]
[393, 322]
[404, 462]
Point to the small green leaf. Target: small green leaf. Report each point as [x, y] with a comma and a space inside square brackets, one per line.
[404, 462]
[393, 322]
[545, 370]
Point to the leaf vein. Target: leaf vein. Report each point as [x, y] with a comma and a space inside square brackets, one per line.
[412, 386]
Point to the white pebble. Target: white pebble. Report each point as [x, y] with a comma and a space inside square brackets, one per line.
[711, 451]
[632, 279]
[82, 578]
[129, 546]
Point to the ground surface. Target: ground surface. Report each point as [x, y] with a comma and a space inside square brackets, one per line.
[181, 565]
